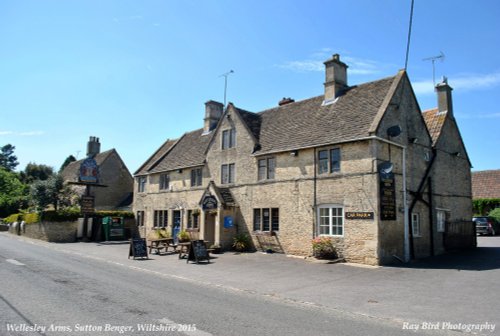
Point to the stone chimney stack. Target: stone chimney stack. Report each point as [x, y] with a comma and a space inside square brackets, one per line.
[336, 78]
[213, 112]
[93, 146]
[444, 97]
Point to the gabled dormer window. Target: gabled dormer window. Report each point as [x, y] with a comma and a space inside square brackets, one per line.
[228, 138]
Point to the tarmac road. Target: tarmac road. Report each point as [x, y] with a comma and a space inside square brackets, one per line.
[93, 289]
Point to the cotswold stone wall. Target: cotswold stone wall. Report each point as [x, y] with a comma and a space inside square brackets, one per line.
[60, 232]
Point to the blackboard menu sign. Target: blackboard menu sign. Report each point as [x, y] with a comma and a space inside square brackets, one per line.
[198, 251]
[387, 196]
[87, 205]
[138, 248]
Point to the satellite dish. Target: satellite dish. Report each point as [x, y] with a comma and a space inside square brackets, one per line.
[386, 167]
[394, 131]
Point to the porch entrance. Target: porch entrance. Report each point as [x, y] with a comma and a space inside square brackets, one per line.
[210, 227]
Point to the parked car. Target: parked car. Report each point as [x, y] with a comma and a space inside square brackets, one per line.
[487, 225]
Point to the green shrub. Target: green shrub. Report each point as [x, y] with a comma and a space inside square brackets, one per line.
[64, 215]
[30, 218]
[184, 236]
[12, 218]
[495, 213]
[106, 213]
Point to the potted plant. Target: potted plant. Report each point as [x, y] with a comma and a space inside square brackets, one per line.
[183, 236]
[217, 249]
[323, 248]
[241, 242]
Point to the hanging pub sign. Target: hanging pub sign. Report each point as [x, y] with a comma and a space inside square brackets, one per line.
[89, 171]
[87, 205]
[387, 191]
[209, 203]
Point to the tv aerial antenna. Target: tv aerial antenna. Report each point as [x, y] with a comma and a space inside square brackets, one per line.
[433, 60]
[225, 83]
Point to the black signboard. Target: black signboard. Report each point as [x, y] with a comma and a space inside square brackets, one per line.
[138, 248]
[87, 205]
[209, 203]
[359, 215]
[198, 251]
[387, 195]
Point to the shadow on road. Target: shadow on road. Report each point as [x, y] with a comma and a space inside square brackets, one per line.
[482, 258]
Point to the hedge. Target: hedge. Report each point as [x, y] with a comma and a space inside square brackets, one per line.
[65, 215]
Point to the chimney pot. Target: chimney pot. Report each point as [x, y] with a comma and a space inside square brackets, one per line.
[285, 101]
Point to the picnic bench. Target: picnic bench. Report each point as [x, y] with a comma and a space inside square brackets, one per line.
[161, 244]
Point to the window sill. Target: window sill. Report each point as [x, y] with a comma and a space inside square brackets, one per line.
[265, 233]
[192, 230]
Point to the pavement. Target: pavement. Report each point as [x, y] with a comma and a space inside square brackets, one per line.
[460, 289]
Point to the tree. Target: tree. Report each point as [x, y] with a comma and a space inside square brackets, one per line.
[34, 172]
[13, 193]
[47, 192]
[66, 162]
[7, 158]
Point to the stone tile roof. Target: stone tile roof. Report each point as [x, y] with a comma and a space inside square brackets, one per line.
[486, 184]
[434, 121]
[295, 125]
[70, 173]
[154, 159]
[307, 123]
[188, 151]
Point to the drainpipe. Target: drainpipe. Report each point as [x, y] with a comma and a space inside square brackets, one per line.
[406, 219]
[315, 181]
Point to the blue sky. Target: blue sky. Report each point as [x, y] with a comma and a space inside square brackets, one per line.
[135, 73]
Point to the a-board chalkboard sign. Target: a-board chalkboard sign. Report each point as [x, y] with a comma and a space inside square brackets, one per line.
[138, 248]
[198, 251]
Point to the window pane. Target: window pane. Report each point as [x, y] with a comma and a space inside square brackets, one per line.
[195, 220]
[271, 167]
[262, 170]
[231, 173]
[232, 138]
[335, 160]
[265, 219]
[275, 221]
[225, 139]
[323, 162]
[225, 172]
[256, 220]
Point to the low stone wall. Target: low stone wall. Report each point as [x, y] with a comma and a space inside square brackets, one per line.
[57, 232]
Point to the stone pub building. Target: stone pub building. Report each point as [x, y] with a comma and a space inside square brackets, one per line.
[359, 164]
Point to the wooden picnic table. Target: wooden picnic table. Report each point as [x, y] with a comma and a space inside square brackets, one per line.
[162, 244]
